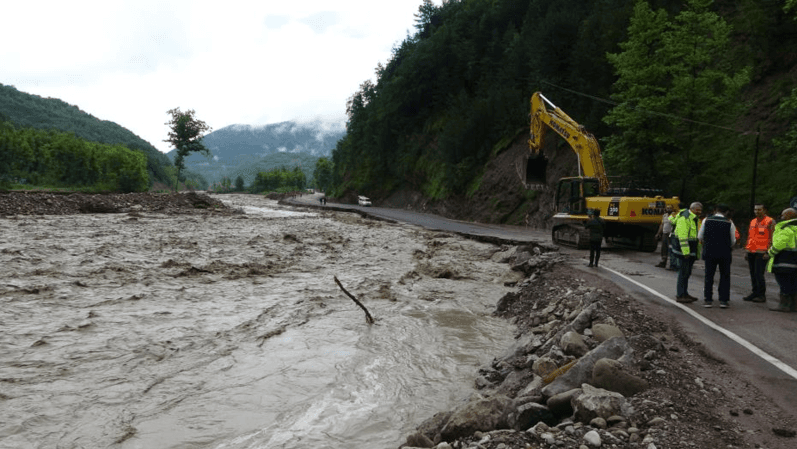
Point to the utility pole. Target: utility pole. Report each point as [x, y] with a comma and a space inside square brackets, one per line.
[755, 169]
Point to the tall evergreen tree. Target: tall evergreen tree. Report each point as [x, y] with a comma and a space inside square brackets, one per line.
[673, 78]
[323, 174]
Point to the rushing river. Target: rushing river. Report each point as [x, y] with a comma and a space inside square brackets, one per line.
[201, 331]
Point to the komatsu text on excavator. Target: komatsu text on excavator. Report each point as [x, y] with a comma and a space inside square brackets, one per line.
[632, 215]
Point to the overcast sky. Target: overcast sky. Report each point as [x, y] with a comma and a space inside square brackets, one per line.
[233, 62]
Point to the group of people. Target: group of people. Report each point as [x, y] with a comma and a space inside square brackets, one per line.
[771, 246]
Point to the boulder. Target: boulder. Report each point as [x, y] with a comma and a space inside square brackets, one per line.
[597, 403]
[603, 332]
[504, 256]
[561, 404]
[431, 427]
[418, 440]
[580, 324]
[526, 415]
[592, 438]
[485, 415]
[581, 372]
[572, 343]
[515, 382]
[532, 388]
[544, 366]
[613, 375]
[524, 345]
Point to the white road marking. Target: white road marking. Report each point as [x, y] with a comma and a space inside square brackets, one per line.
[751, 347]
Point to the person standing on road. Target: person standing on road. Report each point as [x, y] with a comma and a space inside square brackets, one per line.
[717, 234]
[665, 228]
[684, 246]
[759, 239]
[595, 225]
[782, 260]
[675, 262]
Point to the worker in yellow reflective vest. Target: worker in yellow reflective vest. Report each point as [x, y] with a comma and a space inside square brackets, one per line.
[684, 246]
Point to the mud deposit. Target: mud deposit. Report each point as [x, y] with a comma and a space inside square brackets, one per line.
[146, 329]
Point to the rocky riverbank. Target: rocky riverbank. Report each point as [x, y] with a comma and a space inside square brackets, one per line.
[66, 203]
[591, 367]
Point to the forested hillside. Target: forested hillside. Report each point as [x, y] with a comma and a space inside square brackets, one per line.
[58, 159]
[675, 91]
[26, 110]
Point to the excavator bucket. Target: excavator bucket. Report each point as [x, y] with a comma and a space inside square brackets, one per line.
[535, 172]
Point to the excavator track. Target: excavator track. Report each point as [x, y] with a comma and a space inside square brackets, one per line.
[571, 235]
[640, 240]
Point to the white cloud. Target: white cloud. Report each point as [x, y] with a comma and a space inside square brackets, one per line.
[247, 62]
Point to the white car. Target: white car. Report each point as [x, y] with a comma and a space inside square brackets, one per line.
[363, 201]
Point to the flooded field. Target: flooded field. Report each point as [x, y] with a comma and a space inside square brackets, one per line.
[143, 330]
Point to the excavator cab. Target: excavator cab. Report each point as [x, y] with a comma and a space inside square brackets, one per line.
[571, 194]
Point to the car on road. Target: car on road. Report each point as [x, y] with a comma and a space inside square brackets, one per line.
[363, 201]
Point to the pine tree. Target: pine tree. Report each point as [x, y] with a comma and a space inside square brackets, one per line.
[673, 77]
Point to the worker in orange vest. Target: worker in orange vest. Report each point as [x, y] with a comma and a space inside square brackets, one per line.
[759, 240]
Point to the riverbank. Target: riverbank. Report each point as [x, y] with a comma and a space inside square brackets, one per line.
[591, 367]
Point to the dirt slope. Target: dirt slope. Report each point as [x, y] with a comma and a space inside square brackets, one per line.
[501, 197]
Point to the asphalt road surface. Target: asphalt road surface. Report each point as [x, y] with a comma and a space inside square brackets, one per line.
[759, 343]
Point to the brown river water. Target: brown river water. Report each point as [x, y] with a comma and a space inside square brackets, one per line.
[194, 331]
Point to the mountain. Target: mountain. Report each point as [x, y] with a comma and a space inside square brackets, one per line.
[32, 111]
[454, 97]
[246, 150]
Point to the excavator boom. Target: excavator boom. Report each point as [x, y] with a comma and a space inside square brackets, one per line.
[546, 114]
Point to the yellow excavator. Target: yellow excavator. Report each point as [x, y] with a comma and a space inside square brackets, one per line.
[632, 215]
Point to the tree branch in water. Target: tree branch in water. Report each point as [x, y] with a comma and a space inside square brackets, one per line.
[368, 318]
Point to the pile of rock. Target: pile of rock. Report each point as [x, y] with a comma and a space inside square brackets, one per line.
[567, 380]
[65, 203]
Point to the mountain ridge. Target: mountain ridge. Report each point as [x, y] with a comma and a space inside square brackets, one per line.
[244, 150]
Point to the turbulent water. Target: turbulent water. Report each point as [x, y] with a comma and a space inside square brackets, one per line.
[186, 331]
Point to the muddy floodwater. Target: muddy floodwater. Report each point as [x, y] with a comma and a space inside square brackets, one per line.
[146, 330]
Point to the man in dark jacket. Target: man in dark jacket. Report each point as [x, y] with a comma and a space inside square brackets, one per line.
[717, 235]
[595, 225]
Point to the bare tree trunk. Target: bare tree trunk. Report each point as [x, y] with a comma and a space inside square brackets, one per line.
[368, 318]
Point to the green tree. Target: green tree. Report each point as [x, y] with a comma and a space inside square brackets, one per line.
[785, 155]
[323, 174]
[674, 76]
[790, 6]
[185, 135]
[239, 184]
[298, 179]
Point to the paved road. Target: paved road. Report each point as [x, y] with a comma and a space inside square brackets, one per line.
[760, 344]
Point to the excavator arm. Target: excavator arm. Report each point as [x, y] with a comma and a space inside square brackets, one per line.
[545, 114]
